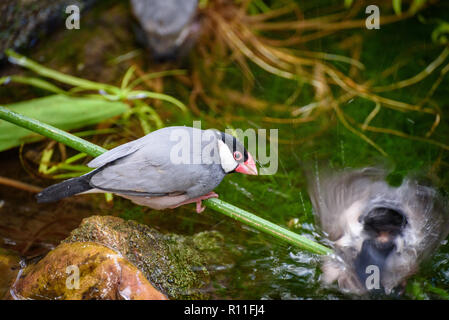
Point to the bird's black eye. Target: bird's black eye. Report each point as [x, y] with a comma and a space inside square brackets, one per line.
[238, 155]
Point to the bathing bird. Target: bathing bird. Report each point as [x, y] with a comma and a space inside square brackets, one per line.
[380, 233]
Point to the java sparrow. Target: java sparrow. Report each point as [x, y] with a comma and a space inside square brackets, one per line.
[164, 169]
[170, 27]
[380, 233]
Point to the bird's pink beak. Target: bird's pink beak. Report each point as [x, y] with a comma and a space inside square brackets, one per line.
[248, 167]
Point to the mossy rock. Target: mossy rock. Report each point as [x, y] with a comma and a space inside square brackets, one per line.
[9, 267]
[25, 20]
[84, 271]
[175, 265]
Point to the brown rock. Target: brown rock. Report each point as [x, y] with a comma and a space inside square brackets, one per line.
[103, 274]
[175, 265]
[9, 267]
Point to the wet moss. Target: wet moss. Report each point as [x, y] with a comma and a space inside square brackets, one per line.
[75, 271]
[174, 264]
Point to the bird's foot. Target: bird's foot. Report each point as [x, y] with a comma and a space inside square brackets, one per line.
[199, 206]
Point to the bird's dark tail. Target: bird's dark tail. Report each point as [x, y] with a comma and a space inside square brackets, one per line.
[65, 189]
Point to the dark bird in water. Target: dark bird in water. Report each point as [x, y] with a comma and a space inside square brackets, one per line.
[170, 27]
[380, 233]
[167, 168]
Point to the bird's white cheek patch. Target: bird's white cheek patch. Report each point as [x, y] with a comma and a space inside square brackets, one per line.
[226, 158]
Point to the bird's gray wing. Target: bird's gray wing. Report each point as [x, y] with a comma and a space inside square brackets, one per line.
[146, 178]
[116, 153]
[427, 225]
[428, 216]
[150, 170]
[129, 148]
[333, 193]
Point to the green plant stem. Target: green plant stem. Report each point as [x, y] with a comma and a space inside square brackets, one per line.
[266, 226]
[106, 91]
[56, 75]
[51, 132]
[215, 204]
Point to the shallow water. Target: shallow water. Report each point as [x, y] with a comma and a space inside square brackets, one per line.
[264, 268]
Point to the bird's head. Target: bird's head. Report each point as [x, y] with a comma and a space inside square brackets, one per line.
[234, 157]
[170, 27]
[383, 227]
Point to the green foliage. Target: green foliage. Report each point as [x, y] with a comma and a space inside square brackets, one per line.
[61, 111]
[394, 179]
[348, 3]
[397, 6]
[417, 5]
[421, 289]
[106, 91]
[440, 34]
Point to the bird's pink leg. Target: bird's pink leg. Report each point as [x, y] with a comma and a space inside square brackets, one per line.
[199, 207]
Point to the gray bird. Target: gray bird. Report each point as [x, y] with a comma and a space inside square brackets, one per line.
[170, 27]
[164, 169]
[380, 233]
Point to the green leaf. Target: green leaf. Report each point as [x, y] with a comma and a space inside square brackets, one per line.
[127, 77]
[441, 33]
[440, 292]
[35, 82]
[397, 6]
[395, 179]
[23, 61]
[61, 111]
[348, 3]
[415, 289]
[45, 160]
[417, 5]
[261, 6]
[203, 4]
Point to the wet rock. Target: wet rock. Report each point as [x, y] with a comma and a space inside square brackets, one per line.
[22, 21]
[75, 271]
[174, 264]
[110, 258]
[9, 267]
